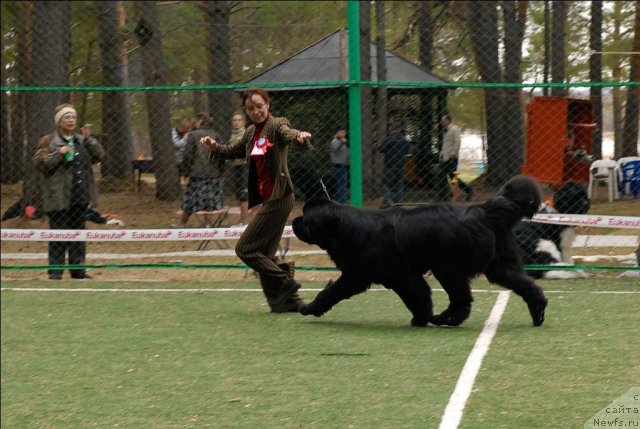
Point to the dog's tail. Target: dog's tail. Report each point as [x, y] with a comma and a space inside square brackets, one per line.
[522, 196]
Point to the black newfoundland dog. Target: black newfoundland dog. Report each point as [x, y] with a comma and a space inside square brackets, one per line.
[549, 244]
[395, 247]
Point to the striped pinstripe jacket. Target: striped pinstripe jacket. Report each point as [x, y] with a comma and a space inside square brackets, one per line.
[278, 132]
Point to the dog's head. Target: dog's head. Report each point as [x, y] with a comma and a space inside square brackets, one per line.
[318, 223]
[572, 198]
[524, 192]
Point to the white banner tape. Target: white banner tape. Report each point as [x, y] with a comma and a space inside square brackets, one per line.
[187, 234]
[602, 221]
[195, 234]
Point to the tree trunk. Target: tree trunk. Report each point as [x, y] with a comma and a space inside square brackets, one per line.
[482, 18]
[595, 74]
[199, 96]
[6, 147]
[547, 47]
[116, 112]
[632, 108]
[616, 76]
[154, 74]
[51, 46]
[514, 17]
[14, 106]
[425, 34]
[381, 93]
[219, 64]
[427, 135]
[557, 46]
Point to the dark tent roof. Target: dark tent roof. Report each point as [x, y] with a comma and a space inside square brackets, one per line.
[321, 62]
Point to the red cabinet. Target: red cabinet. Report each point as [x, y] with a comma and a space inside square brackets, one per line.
[559, 135]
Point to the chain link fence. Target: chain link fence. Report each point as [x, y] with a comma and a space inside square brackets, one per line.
[544, 89]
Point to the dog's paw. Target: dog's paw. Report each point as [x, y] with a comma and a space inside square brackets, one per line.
[304, 310]
[309, 310]
[449, 318]
[537, 312]
[454, 315]
[418, 321]
[442, 320]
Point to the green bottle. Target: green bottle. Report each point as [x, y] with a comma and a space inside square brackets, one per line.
[69, 155]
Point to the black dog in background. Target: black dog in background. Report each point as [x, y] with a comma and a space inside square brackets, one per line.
[395, 247]
[548, 244]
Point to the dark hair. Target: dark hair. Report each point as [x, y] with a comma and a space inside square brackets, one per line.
[200, 116]
[448, 116]
[250, 92]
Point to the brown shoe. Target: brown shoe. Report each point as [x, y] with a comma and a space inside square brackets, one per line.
[290, 289]
[294, 302]
[282, 298]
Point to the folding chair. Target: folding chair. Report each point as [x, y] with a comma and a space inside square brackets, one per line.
[212, 219]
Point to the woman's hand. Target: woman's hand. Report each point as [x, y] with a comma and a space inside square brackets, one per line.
[64, 149]
[209, 142]
[303, 136]
[86, 133]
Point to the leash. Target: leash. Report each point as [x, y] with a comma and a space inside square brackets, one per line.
[324, 188]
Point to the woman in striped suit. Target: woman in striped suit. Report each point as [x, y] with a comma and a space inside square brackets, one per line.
[265, 145]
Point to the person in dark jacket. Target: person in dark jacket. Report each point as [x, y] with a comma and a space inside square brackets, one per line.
[65, 158]
[395, 148]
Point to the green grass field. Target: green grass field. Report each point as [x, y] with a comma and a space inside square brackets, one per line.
[217, 359]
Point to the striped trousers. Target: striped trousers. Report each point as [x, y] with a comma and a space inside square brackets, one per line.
[258, 244]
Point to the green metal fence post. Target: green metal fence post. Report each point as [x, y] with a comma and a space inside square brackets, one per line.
[355, 129]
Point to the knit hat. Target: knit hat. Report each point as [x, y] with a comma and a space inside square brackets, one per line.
[60, 113]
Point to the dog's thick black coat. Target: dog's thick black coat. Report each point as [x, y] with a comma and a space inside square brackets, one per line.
[549, 244]
[395, 247]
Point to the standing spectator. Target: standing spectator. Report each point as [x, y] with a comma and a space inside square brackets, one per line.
[449, 160]
[64, 158]
[265, 146]
[204, 189]
[179, 138]
[340, 165]
[238, 172]
[395, 148]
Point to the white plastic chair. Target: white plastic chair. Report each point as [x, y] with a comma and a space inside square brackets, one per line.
[602, 170]
[618, 170]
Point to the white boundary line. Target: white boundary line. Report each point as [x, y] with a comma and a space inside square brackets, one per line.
[457, 402]
[202, 290]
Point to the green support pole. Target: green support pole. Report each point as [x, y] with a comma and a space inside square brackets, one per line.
[355, 123]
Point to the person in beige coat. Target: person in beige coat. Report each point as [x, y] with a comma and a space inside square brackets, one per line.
[64, 159]
[449, 160]
[265, 146]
